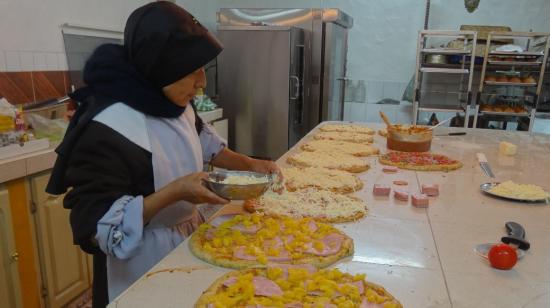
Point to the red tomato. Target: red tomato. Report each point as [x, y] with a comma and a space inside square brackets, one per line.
[502, 257]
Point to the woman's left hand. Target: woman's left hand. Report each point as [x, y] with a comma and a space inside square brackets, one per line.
[265, 166]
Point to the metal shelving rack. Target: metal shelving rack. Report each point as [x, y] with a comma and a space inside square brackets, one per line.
[533, 62]
[465, 69]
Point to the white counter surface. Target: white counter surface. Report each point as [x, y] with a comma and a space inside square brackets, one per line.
[424, 257]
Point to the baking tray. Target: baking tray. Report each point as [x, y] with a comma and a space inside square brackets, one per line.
[518, 84]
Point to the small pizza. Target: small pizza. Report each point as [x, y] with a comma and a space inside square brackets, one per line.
[350, 128]
[321, 178]
[352, 148]
[330, 160]
[323, 205]
[245, 241]
[344, 136]
[295, 286]
[421, 161]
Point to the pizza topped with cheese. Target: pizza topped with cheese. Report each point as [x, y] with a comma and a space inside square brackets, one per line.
[330, 160]
[321, 178]
[295, 286]
[344, 136]
[351, 128]
[352, 148]
[323, 205]
[245, 241]
[421, 161]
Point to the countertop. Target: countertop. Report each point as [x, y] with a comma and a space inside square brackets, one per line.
[32, 163]
[424, 257]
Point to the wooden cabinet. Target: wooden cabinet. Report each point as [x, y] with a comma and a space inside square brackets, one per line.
[10, 295]
[64, 266]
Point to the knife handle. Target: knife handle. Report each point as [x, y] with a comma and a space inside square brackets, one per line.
[516, 236]
[457, 134]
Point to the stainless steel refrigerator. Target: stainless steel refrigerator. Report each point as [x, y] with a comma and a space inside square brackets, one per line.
[282, 72]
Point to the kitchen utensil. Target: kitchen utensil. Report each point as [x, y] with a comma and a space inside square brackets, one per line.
[440, 123]
[486, 188]
[452, 134]
[385, 119]
[516, 236]
[484, 163]
[238, 191]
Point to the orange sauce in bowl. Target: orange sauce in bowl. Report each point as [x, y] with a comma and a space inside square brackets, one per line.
[409, 138]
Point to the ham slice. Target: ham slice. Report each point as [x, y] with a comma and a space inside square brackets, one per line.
[294, 305]
[430, 189]
[367, 304]
[240, 253]
[246, 230]
[401, 195]
[283, 256]
[209, 235]
[230, 281]
[381, 190]
[389, 169]
[331, 242]
[420, 200]
[312, 226]
[265, 287]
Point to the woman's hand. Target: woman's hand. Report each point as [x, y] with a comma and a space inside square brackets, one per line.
[191, 188]
[264, 166]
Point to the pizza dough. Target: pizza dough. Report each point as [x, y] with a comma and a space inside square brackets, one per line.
[321, 178]
[351, 128]
[420, 161]
[252, 240]
[323, 205]
[294, 286]
[355, 149]
[330, 160]
[344, 136]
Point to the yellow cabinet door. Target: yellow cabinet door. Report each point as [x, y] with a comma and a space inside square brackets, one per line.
[10, 295]
[64, 265]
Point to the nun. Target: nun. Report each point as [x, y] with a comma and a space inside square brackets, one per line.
[131, 161]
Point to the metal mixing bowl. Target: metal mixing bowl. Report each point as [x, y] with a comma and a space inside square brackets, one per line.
[236, 191]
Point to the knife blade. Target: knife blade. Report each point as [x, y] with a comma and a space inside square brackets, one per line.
[516, 236]
[484, 164]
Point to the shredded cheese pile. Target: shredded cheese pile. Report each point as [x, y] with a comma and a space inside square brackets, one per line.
[331, 160]
[346, 147]
[244, 180]
[520, 191]
[311, 203]
[359, 129]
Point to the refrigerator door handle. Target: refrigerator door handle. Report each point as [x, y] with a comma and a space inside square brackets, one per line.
[296, 86]
[343, 81]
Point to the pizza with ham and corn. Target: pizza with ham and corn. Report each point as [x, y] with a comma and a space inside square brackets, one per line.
[295, 286]
[421, 161]
[246, 241]
[349, 128]
[322, 205]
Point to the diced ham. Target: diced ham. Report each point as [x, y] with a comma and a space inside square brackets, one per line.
[289, 239]
[312, 226]
[331, 243]
[420, 200]
[381, 190]
[400, 182]
[294, 305]
[276, 242]
[240, 253]
[265, 287]
[430, 189]
[367, 304]
[246, 230]
[401, 195]
[389, 169]
[230, 281]
[329, 305]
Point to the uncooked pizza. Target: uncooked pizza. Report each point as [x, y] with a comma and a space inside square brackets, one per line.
[321, 178]
[245, 241]
[330, 160]
[295, 286]
[421, 161]
[344, 136]
[323, 205]
[352, 148]
[351, 128]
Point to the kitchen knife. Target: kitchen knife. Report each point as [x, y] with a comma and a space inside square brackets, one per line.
[484, 164]
[516, 236]
[453, 134]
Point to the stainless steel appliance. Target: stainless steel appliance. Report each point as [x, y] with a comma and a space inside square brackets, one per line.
[282, 71]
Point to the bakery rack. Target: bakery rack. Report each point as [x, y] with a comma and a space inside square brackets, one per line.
[511, 99]
[464, 72]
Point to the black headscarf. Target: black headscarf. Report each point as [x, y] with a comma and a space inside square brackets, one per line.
[162, 44]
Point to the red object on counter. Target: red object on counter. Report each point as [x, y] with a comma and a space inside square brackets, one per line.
[502, 257]
[381, 190]
[420, 200]
[430, 189]
[400, 195]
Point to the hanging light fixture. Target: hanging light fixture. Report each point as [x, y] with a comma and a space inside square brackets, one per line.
[471, 5]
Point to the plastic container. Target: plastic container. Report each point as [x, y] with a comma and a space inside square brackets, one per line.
[409, 138]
